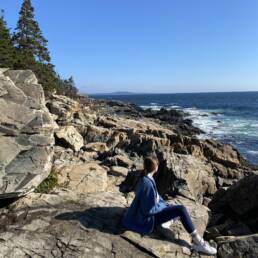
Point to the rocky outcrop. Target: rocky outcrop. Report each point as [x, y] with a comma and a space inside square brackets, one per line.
[68, 136]
[235, 210]
[26, 133]
[72, 223]
[243, 246]
[185, 175]
[98, 152]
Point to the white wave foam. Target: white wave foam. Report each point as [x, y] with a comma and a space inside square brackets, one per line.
[151, 107]
[254, 125]
[252, 152]
[214, 123]
[174, 107]
[158, 107]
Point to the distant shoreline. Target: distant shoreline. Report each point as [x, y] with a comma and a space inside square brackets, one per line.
[230, 117]
[163, 93]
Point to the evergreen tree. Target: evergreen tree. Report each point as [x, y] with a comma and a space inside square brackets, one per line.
[7, 50]
[28, 37]
[32, 53]
[71, 90]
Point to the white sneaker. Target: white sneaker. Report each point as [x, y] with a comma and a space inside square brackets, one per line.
[204, 247]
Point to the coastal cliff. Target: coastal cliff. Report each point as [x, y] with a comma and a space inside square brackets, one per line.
[94, 149]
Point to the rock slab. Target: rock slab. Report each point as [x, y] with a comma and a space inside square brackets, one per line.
[26, 133]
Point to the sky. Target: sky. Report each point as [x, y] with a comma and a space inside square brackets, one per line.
[154, 46]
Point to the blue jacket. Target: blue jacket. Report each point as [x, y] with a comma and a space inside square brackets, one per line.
[140, 215]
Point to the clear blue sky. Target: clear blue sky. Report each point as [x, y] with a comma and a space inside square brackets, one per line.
[150, 46]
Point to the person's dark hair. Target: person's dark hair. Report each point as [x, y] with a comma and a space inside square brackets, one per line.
[149, 165]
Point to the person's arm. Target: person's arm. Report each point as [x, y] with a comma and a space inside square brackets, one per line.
[148, 199]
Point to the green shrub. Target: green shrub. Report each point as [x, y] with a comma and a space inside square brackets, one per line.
[48, 184]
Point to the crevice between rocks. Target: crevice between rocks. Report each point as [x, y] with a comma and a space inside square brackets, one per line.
[142, 249]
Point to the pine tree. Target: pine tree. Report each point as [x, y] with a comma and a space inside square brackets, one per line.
[7, 50]
[28, 37]
[69, 87]
[32, 53]
[72, 90]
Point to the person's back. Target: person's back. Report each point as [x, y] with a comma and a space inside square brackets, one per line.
[135, 219]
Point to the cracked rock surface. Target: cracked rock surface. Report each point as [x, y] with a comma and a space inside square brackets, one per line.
[26, 133]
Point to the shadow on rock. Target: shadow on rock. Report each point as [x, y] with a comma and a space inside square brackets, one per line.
[108, 220]
[6, 202]
[104, 219]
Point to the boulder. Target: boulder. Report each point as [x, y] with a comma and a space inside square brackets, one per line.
[96, 134]
[68, 136]
[238, 202]
[118, 171]
[223, 154]
[28, 83]
[85, 178]
[116, 176]
[99, 147]
[63, 107]
[26, 133]
[185, 175]
[240, 247]
[117, 139]
[122, 160]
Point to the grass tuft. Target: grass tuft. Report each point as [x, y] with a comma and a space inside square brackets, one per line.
[48, 184]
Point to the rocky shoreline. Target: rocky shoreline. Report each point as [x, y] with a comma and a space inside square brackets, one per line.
[95, 148]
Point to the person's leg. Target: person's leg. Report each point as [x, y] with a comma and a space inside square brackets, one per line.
[173, 211]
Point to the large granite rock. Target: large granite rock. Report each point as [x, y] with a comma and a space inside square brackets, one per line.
[238, 247]
[184, 175]
[236, 208]
[65, 225]
[26, 133]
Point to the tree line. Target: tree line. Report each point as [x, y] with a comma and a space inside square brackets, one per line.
[26, 48]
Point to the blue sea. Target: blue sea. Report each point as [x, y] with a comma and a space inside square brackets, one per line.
[229, 117]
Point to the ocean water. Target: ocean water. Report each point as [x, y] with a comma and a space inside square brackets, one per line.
[229, 117]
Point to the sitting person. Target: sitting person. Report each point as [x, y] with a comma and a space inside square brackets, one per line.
[148, 210]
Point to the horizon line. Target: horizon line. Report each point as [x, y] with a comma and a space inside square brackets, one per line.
[153, 93]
